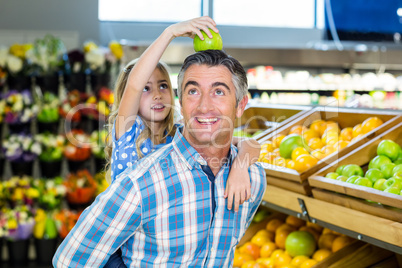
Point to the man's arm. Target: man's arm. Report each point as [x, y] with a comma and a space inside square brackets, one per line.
[102, 228]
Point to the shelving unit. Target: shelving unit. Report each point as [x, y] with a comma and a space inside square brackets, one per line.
[375, 230]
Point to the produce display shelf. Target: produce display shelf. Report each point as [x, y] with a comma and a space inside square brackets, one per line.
[257, 117]
[390, 205]
[345, 118]
[378, 231]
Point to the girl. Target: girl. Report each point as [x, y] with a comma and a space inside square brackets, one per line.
[143, 113]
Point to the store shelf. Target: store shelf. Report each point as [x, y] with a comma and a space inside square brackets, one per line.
[372, 229]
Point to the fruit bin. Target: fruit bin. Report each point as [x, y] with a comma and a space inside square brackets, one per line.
[297, 181]
[384, 205]
[349, 253]
[267, 118]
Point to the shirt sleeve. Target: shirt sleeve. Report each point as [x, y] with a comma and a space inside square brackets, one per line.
[102, 227]
[124, 148]
[258, 186]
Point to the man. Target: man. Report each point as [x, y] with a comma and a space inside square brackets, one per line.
[169, 211]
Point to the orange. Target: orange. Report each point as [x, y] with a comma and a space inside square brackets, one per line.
[279, 161]
[332, 126]
[281, 235]
[298, 129]
[268, 262]
[252, 264]
[327, 150]
[330, 137]
[250, 248]
[312, 231]
[305, 162]
[298, 151]
[309, 134]
[273, 224]
[318, 126]
[277, 139]
[260, 240]
[308, 263]
[283, 259]
[340, 145]
[287, 266]
[276, 152]
[290, 164]
[276, 253]
[265, 232]
[285, 226]
[240, 258]
[315, 226]
[326, 240]
[341, 242]
[315, 143]
[318, 154]
[346, 134]
[267, 249]
[295, 221]
[357, 130]
[371, 123]
[326, 231]
[321, 254]
[298, 260]
[267, 146]
[268, 158]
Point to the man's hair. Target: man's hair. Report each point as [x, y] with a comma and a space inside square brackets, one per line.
[213, 58]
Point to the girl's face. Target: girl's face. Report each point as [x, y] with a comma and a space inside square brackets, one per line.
[156, 99]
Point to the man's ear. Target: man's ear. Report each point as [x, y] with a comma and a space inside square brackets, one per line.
[241, 106]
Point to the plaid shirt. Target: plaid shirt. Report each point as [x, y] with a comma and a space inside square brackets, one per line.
[160, 214]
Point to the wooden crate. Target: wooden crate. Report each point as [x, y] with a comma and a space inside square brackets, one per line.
[268, 117]
[357, 252]
[326, 189]
[345, 118]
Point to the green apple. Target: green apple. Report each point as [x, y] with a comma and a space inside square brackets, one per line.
[399, 160]
[394, 182]
[332, 175]
[353, 178]
[397, 168]
[340, 169]
[392, 190]
[374, 174]
[351, 170]
[387, 169]
[380, 184]
[341, 178]
[389, 149]
[378, 161]
[214, 43]
[363, 182]
[398, 174]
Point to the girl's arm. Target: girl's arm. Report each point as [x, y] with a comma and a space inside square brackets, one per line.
[146, 64]
[238, 185]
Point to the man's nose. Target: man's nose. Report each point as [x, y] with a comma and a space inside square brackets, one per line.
[205, 103]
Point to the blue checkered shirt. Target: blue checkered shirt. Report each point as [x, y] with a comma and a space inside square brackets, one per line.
[160, 214]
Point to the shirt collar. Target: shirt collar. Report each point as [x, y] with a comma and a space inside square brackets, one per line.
[190, 156]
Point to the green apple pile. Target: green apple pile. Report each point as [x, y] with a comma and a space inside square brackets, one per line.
[384, 171]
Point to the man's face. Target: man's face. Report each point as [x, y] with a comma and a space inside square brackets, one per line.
[208, 105]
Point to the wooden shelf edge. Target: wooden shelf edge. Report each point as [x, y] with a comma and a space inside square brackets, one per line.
[369, 228]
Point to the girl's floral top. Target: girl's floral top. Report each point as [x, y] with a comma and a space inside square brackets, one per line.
[19, 107]
[21, 147]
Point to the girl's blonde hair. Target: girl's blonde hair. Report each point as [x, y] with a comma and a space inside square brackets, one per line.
[168, 126]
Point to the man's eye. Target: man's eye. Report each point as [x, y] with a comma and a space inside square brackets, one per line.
[192, 92]
[145, 89]
[219, 92]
